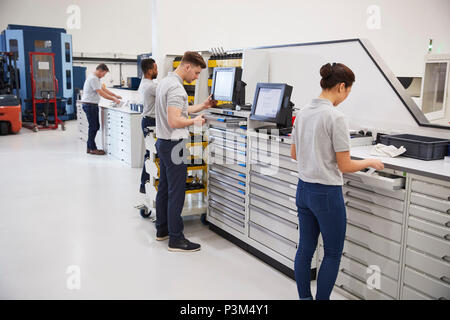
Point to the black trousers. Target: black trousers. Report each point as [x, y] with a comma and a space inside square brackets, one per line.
[91, 111]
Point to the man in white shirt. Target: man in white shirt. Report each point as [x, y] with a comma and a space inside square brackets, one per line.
[92, 90]
[147, 95]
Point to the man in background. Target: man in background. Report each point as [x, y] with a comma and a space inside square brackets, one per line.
[147, 95]
[92, 91]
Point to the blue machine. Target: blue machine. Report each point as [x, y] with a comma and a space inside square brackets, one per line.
[79, 77]
[25, 39]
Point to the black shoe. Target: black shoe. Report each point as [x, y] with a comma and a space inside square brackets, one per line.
[142, 189]
[162, 235]
[183, 245]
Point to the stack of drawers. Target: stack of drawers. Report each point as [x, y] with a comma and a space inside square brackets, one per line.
[427, 257]
[272, 210]
[227, 172]
[83, 126]
[375, 205]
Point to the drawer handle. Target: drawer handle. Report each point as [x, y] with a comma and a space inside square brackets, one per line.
[448, 211]
[442, 298]
[446, 258]
[363, 208]
[447, 224]
[445, 279]
[447, 237]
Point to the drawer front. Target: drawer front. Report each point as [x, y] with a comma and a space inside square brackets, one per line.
[429, 244]
[373, 242]
[274, 208]
[230, 173]
[226, 219]
[359, 271]
[221, 193]
[274, 184]
[228, 135]
[240, 168]
[371, 223]
[439, 218]
[226, 156]
[274, 159]
[241, 146]
[277, 172]
[219, 207]
[281, 199]
[275, 224]
[359, 288]
[375, 209]
[432, 189]
[431, 228]
[232, 182]
[226, 188]
[397, 194]
[373, 198]
[431, 202]
[368, 258]
[434, 288]
[227, 203]
[439, 269]
[411, 294]
[273, 241]
[271, 146]
[381, 180]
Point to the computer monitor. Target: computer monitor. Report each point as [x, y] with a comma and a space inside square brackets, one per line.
[228, 86]
[272, 104]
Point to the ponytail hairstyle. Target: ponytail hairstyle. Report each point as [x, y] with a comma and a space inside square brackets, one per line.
[335, 73]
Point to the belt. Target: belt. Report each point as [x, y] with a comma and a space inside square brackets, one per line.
[90, 104]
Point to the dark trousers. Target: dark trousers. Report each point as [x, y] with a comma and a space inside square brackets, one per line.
[146, 122]
[171, 187]
[321, 209]
[91, 111]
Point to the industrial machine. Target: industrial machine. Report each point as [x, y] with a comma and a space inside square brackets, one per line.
[10, 111]
[21, 40]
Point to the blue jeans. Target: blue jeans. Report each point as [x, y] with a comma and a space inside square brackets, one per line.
[94, 124]
[321, 209]
[171, 188]
[146, 122]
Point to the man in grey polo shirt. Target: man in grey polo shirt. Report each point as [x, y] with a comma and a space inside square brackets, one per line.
[92, 90]
[172, 124]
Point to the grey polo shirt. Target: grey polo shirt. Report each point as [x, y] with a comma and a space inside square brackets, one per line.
[170, 92]
[90, 87]
[319, 132]
[147, 96]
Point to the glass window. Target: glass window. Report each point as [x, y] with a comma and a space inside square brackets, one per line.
[68, 80]
[43, 45]
[67, 51]
[14, 46]
[434, 87]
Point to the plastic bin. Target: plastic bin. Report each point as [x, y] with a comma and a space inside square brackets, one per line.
[418, 147]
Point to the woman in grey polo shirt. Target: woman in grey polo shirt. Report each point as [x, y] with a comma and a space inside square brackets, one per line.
[321, 146]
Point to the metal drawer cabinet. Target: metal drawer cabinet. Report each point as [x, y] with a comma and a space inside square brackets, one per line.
[439, 189]
[374, 209]
[274, 208]
[227, 203]
[281, 199]
[232, 182]
[371, 223]
[222, 121]
[228, 172]
[227, 134]
[274, 184]
[378, 179]
[273, 241]
[276, 172]
[274, 159]
[436, 289]
[216, 205]
[431, 228]
[223, 194]
[429, 244]
[241, 146]
[272, 146]
[397, 194]
[411, 294]
[274, 223]
[226, 188]
[367, 257]
[226, 219]
[440, 219]
[373, 242]
[439, 269]
[223, 155]
[359, 271]
[358, 288]
[430, 202]
[372, 197]
[239, 167]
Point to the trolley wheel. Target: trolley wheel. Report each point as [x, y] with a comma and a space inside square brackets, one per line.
[35, 129]
[63, 126]
[145, 213]
[203, 219]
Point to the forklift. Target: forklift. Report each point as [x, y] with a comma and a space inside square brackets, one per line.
[10, 109]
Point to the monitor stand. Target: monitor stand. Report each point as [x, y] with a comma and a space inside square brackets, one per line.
[282, 131]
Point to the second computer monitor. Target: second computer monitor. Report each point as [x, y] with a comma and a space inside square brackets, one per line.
[224, 84]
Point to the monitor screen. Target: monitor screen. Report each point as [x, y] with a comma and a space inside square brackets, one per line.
[268, 102]
[224, 84]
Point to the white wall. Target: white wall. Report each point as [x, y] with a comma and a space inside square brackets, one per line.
[402, 40]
